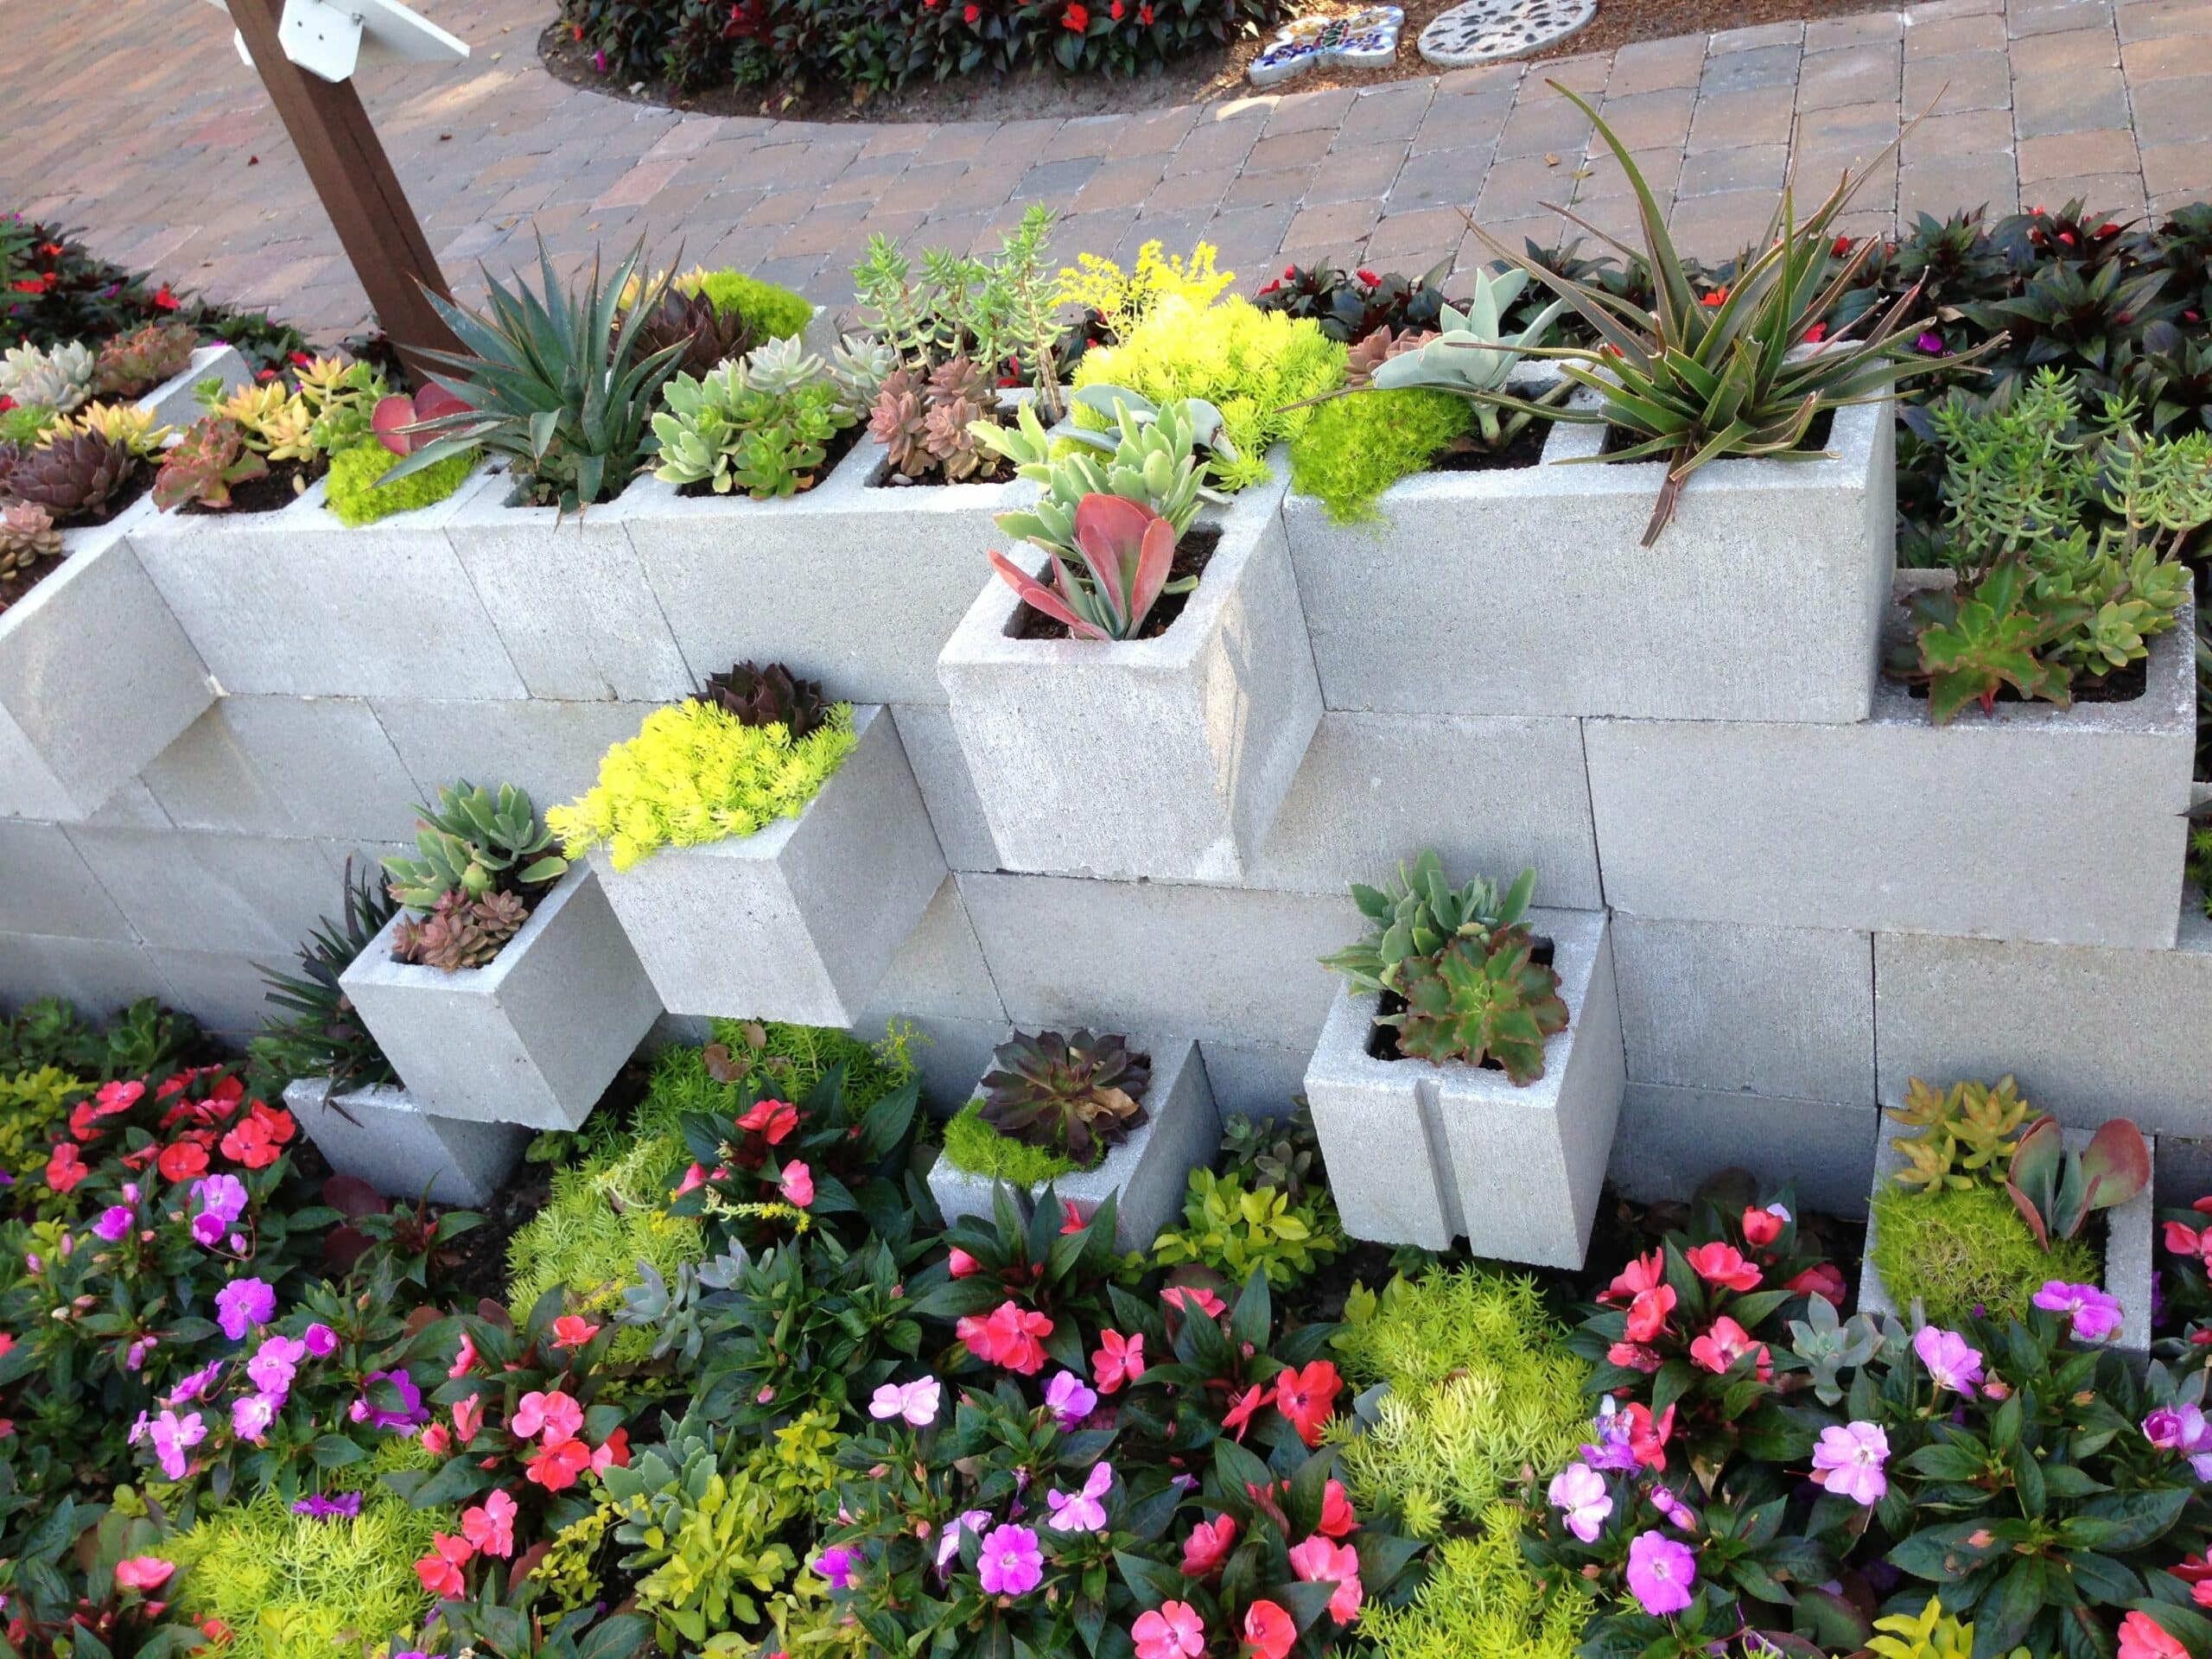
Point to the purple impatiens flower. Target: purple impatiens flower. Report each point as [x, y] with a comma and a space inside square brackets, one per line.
[1012, 1563]
[1949, 1361]
[222, 1200]
[114, 1223]
[1578, 1492]
[1848, 1460]
[2096, 1312]
[1661, 1573]
[411, 1412]
[243, 1304]
[316, 1507]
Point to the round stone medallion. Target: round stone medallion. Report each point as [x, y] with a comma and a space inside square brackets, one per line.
[1480, 31]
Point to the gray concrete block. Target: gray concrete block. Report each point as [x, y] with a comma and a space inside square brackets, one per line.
[379, 1135]
[950, 1053]
[2185, 1173]
[1187, 743]
[855, 583]
[1734, 1006]
[1424, 1154]
[1891, 826]
[933, 750]
[287, 766]
[294, 603]
[185, 890]
[1255, 1078]
[1488, 793]
[939, 971]
[133, 807]
[1219, 962]
[99, 975]
[1146, 1173]
[46, 886]
[2088, 1033]
[1525, 591]
[224, 992]
[569, 598]
[96, 678]
[175, 402]
[800, 920]
[551, 749]
[2130, 1249]
[1673, 1139]
[534, 1036]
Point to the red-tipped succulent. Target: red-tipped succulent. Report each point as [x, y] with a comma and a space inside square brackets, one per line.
[397, 419]
[1125, 550]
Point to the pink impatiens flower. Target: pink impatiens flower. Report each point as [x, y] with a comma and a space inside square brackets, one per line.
[1950, 1363]
[1083, 1511]
[1661, 1572]
[1011, 1563]
[2096, 1312]
[553, 1416]
[1848, 1460]
[1175, 1631]
[1579, 1493]
[1117, 1360]
[1320, 1562]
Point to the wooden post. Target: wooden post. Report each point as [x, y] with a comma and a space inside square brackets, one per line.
[353, 175]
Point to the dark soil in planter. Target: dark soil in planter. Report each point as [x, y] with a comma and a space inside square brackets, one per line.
[1816, 439]
[1525, 450]
[283, 484]
[16, 586]
[1382, 1041]
[2121, 685]
[1191, 554]
[481, 1273]
[832, 451]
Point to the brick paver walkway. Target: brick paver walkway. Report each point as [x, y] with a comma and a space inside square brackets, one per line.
[138, 124]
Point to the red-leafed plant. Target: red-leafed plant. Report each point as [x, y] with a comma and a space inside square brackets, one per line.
[397, 419]
[1125, 550]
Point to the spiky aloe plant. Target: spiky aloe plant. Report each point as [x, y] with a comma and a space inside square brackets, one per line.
[1485, 997]
[1692, 378]
[316, 1031]
[554, 380]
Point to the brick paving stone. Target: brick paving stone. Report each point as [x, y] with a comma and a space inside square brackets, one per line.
[1944, 187]
[1655, 65]
[1418, 238]
[1385, 114]
[1284, 187]
[1964, 80]
[1329, 223]
[2167, 59]
[1647, 120]
[2153, 20]
[1756, 37]
[2077, 155]
[1459, 121]
[1965, 135]
[1540, 126]
[1857, 74]
[1720, 227]
[1600, 176]
[1441, 178]
[1748, 167]
[1861, 28]
[1946, 36]
[1519, 186]
[1309, 111]
[1118, 184]
[2170, 169]
[1751, 69]
[2173, 111]
[1725, 119]
[1300, 149]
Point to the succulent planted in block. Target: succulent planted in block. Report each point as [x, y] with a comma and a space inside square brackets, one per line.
[132, 365]
[476, 844]
[704, 335]
[1076, 1094]
[1418, 915]
[761, 424]
[123, 423]
[73, 476]
[1483, 998]
[397, 421]
[203, 465]
[926, 421]
[59, 378]
[1961, 1135]
[459, 931]
[1118, 569]
[2056, 1189]
[1970, 644]
[1473, 356]
[1151, 458]
[27, 535]
[772, 696]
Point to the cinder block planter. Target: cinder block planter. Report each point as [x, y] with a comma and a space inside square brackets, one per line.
[533, 1037]
[801, 920]
[2129, 1260]
[2061, 825]
[1671, 1140]
[175, 402]
[856, 583]
[1147, 1173]
[96, 678]
[1525, 591]
[1165, 758]
[294, 602]
[1424, 1154]
[380, 1135]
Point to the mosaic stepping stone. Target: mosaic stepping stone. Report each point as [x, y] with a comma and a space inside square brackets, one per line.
[1365, 40]
[1479, 31]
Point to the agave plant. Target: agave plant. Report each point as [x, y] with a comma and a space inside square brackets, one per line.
[1075, 1094]
[1124, 550]
[553, 379]
[1418, 915]
[2054, 1189]
[1692, 378]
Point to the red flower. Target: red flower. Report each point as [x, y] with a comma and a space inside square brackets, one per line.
[1190, 1297]
[1369, 278]
[256, 1141]
[1077, 17]
[1841, 247]
[1761, 1227]
[1648, 1437]
[797, 1185]
[1144, 16]
[1634, 1355]
[1117, 12]
[1270, 1633]
[1118, 1359]
[558, 1466]
[2142, 1637]
[1008, 1337]
[1308, 1397]
[64, 1168]
[1719, 1263]
[775, 1119]
[1824, 1280]
[613, 1453]
[1073, 1219]
[2184, 1240]
[1319, 1561]
[1208, 1546]
[163, 298]
[1337, 1520]
[440, 1570]
[1239, 1417]
[571, 1331]
[1647, 1315]
[1813, 336]
[1644, 1274]
[182, 1160]
[1717, 298]
[35, 284]
[961, 1263]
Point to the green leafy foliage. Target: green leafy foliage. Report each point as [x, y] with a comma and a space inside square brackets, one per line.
[315, 1031]
[971, 1144]
[34, 1108]
[358, 492]
[1959, 1248]
[605, 1225]
[140, 1040]
[990, 312]
[1482, 1002]
[1236, 1232]
[474, 842]
[1355, 447]
[741, 428]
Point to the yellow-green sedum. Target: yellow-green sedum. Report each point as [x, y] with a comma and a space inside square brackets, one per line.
[1482, 1601]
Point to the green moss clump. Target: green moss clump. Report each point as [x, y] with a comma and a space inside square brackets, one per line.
[1482, 1602]
[356, 498]
[1356, 448]
[1481, 1382]
[775, 313]
[605, 1216]
[292, 1587]
[974, 1145]
[1959, 1248]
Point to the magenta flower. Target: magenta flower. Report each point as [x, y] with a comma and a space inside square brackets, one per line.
[837, 1566]
[1949, 1361]
[1848, 1462]
[1070, 1398]
[1930, 342]
[1677, 1512]
[196, 1384]
[222, 1200]
[316, 1507]
[1082, 1511]
[322, 1341]
[114, 1223]
[948, 1542]
[173, 1436]
[1011, 1563]
[1578, 1492]
[251, 1415]
[411, 1412]
[2096, 1312]
[275, 1363]
[244, 1303]
[1612, 1451]
[1661, 1572]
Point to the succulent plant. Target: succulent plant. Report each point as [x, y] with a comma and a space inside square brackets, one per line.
[274, 422]
[123, 423]
[705, 338]
[59, 379]
[27, 535]
[1961, 1135]
[317, 1031]
[1418, 915]
[1117, 571]
[205, 464]
[1484, 997]
[1284, 1154]
[781, 366]
[1472, 355]
[396, 420]
[927, 421]
[129, 366]
[859, 364]
[475, 843]
[2054, 1189]
[459, 931]
[772, 696]
[73, 475]
[1370, 353]
[1075, 1094]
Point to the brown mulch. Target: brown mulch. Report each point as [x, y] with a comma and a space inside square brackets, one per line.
[1041, 91]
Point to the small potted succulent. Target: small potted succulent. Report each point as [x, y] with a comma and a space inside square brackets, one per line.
[1169, 647]
[1075, 1116]
[161, 367]
[766, 849]
[1471, 1066]
[1982, 1205]
[503, 989]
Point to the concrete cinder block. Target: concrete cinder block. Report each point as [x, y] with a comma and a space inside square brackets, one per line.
[99, 975]
[2089, 1034]
[1424, 1154]
[1671, 1140]
[1188, 742]
[933, 750]
[534, 1036]
[1219, 962]
[856, 583]
[1147, 1172]
[939, 971]
[224, 992]
[287, 766]
[1487, 793]
[184, 890]
[96, 678]
[376, 1134]
[294, 603]
[551, 749]
[800, 920]
[1525, 591]
[1888, 826]
[2130, 1254]
[47, 887]
[568, 597]
[175, 402]
[1734, 1006]
[950, 1053]
[1257, 1079]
